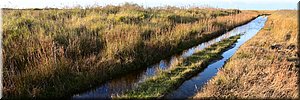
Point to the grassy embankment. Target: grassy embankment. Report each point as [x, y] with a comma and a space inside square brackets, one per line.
[56, 53]
[264, 67]
[166, 81]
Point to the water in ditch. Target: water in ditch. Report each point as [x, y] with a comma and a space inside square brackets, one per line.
[117, 86]
[190, 87]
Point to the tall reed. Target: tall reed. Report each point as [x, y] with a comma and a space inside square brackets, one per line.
[58, 52]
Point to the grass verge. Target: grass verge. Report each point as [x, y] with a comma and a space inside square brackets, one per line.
[169, 80]
[263, 67]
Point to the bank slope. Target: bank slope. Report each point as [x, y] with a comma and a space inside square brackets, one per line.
[264, 67]
[167, 81]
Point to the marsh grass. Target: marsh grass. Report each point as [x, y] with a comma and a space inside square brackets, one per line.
[168, 80]
[59, 52]
[256, 71]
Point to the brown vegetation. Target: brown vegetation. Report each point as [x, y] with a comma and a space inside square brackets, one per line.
[264, 67]
[58, 52]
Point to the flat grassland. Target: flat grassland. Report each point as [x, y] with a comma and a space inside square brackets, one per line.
[59, 52]
[264, 67]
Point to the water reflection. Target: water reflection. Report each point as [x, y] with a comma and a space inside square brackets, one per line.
[191, 86]
[117, 86]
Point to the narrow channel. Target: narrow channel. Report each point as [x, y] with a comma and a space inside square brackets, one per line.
[190, 87]
[119, 85]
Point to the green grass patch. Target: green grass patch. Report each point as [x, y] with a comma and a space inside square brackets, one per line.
[167, 81]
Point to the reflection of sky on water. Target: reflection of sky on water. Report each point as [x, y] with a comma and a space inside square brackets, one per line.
[119, 85]
[191, 86]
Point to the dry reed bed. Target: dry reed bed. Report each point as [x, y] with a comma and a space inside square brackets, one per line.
[56, 53]
[264, 67]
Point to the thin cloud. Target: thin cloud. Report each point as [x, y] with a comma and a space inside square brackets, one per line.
[243, 4]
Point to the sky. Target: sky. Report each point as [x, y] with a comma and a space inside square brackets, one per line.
[237, 4]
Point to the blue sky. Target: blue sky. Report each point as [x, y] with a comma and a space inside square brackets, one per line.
[240, 4]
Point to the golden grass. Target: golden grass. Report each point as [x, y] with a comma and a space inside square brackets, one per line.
[59, 52]
[258, 71]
